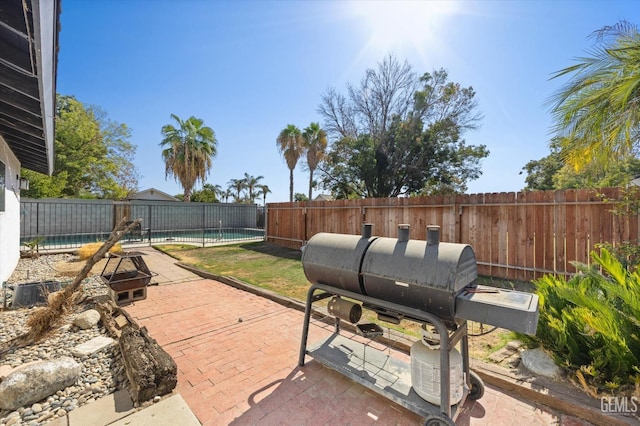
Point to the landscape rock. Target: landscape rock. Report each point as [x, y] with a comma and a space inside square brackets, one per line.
[106, 365]
[5, 370]
[87, 319]
[501, 354]
[92, 346]
[37, 381]
[513, 345]
[540, 363]
[513, 361]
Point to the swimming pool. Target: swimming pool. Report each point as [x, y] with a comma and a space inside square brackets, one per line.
[146, 236]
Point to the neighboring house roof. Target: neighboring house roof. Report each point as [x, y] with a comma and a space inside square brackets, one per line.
[28, 66]
[324, 197]
[152, 194]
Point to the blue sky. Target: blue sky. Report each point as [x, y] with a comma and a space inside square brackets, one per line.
[249, 68]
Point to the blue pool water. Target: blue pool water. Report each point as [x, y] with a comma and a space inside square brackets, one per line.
[209, 236]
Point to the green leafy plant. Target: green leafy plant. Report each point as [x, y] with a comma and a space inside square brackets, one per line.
[591, 322]
[625, 210]
[34, 246]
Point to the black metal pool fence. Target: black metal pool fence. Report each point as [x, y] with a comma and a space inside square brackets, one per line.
[58, 224]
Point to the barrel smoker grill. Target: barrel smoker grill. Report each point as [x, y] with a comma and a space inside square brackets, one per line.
[402, 279]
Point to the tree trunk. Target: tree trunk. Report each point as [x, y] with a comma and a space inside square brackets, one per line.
[151, 371]
[310, 183]
[290, 185]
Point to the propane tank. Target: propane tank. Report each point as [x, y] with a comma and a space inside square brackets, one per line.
[425, 368]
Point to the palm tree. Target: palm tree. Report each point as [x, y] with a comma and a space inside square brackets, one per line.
[598, 112]
[289, 143]
[218, 191]
[237, 185]
[264, 190]
[214, 192]
[250, 184]
[226, 194]
[188, 151]
[315, 145]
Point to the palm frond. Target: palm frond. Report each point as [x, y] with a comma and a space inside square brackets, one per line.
[597, 110]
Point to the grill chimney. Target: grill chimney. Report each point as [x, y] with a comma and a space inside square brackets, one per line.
[403, 232]
[366, 230]
[433, 235]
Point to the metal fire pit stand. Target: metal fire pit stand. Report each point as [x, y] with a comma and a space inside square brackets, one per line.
[325, 353]
[127, 277]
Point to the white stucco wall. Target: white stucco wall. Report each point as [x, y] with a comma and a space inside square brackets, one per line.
[10, 217]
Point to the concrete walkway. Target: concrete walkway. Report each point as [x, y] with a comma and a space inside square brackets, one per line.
[237, 357]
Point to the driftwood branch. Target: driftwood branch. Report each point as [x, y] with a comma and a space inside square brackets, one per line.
[118, 232]
[150, 369]
[42, 321]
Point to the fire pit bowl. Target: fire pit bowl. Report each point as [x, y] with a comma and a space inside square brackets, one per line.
[126, 272]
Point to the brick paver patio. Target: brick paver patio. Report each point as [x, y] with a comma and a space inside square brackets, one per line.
[237, 356]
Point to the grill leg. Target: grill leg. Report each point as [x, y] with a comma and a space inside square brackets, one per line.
[464, 342]
[445, 385]
[305, 326]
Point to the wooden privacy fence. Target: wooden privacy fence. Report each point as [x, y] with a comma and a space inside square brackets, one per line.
[518, 236]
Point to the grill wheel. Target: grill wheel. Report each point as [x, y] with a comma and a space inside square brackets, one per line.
[438, 420]
[477, 386]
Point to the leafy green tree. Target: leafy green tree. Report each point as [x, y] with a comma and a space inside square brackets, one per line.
[597, 111]
[551, 172]
[44, 186]
[121, 177]
[188, 151]
[315, 146]
[595, 175]
[299, 196]
[208, 194]
[396, 134]
[541, 173]
[290, 145]
[93, 156]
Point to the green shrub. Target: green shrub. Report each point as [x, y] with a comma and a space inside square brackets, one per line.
[591, 322]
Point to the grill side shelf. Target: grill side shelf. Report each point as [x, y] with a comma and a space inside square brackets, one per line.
[510, 309]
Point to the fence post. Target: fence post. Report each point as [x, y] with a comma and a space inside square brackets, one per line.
[266, 222]
[457, 214]
[150, 224]
[304, 212]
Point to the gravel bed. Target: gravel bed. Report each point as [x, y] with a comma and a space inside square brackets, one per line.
[102, 373]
